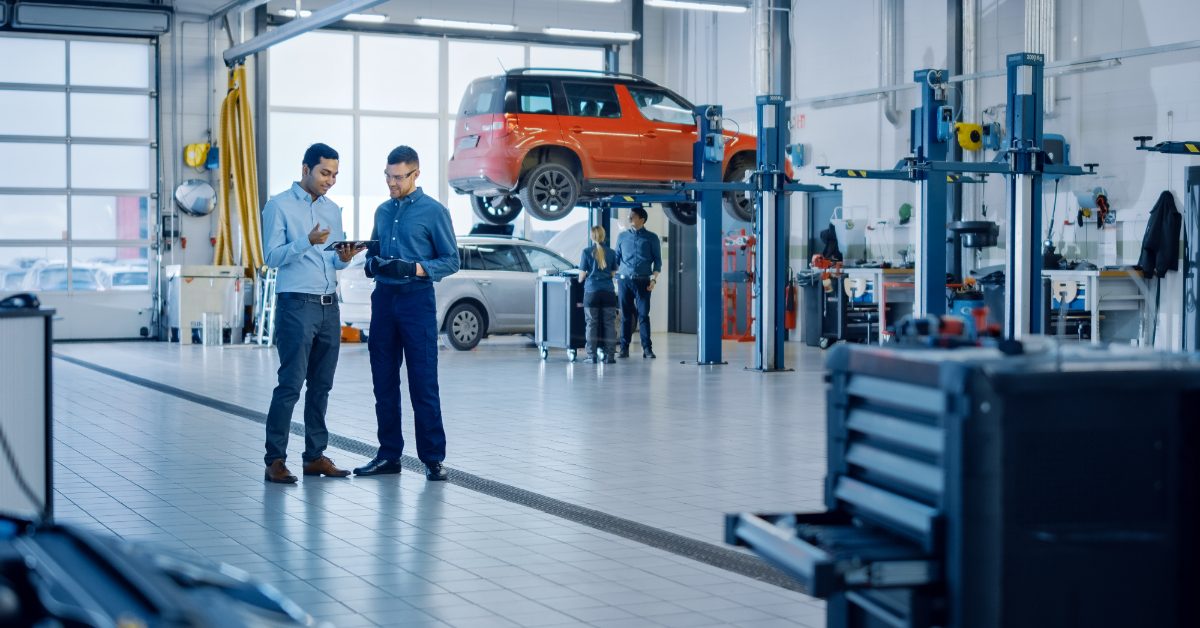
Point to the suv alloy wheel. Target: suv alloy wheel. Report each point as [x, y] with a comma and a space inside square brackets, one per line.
[496, 210]
[550, 191]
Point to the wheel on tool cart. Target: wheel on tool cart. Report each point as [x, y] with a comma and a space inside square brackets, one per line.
[544, 352]
[571, 355]
[824, 342]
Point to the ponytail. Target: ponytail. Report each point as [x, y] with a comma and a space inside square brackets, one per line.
[598, 249]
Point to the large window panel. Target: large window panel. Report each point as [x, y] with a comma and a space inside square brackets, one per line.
[314, 70]
[104, 167]
[290, 134]
[381, 135]
[110, 64]
[43, 61]
[398, 74]
[33, 165]
[566, 57]
[33, 113]
[110, 115]
[110, 217]
[471, 60]
[33, 217]
[368, 206]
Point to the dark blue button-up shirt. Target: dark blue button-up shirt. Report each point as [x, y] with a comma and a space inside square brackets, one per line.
[598, 279]
[639, 253]
[416, 228]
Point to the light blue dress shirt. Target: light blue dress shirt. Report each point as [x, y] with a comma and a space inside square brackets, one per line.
[303, 267]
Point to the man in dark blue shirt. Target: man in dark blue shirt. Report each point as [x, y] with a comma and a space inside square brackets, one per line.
[639, 258]
[416, 247]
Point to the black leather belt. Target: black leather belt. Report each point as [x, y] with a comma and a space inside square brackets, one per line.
[633, 276]
[323, 299]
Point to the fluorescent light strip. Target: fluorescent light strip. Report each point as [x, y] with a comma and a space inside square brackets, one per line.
[470, 26]
[601, 1]
[292, 13]
[370, 18]
[587, 34]
[698, 6]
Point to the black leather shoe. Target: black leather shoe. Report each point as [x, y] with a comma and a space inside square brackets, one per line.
[435, 472]
[379, 466]
[624, 352]
[648, 353]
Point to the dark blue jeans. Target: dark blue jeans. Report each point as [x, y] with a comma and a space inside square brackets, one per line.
[635, 299]
[404, 328]
[308, 336]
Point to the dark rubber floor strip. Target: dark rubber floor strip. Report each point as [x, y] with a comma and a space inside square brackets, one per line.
[707, 553]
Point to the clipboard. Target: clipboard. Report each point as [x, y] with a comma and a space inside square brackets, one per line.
[366, 243]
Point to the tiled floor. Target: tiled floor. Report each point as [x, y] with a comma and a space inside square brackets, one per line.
[666, 444]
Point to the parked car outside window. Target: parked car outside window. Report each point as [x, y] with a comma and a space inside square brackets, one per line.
[494, 291]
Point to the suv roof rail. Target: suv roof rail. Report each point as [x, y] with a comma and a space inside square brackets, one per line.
[626, 75]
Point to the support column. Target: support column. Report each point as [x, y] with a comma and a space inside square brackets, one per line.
[1023, 294]
[706, 168]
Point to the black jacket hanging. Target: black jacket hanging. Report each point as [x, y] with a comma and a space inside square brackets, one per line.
[1160, 245]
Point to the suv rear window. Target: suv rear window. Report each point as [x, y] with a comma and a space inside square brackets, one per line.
[483, 96]
[593, 100]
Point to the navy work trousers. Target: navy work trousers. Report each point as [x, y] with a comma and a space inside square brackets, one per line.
[635, 300]
[404, 328]
[308, 336]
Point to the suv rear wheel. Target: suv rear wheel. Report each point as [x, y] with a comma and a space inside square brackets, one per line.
[496, 210]
[464, 326]
[681, 213]
[739, 205]
[550, 191]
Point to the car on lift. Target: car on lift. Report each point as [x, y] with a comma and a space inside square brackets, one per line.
[546, 140]
[494, 291]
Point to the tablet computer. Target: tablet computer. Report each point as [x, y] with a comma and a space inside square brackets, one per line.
[356, 243]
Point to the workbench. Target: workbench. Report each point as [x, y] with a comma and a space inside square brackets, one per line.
[1120, 290]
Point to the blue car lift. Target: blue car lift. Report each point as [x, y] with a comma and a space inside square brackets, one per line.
[1023, 163]
[770, 187]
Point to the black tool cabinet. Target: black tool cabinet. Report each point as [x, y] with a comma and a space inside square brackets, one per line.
[968, 489]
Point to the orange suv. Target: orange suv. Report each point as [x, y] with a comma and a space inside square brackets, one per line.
[545, 140]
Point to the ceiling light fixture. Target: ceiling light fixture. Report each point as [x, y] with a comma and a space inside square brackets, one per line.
[469, 26]
[589, 34]
[292, 13]
[697, 5]
[602, 1]
[369, 18]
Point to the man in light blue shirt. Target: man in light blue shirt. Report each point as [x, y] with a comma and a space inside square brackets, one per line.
[296, 226]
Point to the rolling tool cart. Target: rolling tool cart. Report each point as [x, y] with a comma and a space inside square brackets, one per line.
[968, 488]
[559, 322]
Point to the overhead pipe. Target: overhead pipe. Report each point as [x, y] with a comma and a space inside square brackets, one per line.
[891, 16]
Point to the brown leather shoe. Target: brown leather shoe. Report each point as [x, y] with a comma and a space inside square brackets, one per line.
[278, 472]
[324, 466]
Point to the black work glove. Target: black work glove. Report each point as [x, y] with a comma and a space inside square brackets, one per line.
[391, 268]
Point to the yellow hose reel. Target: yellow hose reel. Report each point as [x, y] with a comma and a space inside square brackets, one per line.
[195, 155]
[970, 136]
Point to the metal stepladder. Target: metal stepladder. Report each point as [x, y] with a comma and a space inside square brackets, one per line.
[264, 325]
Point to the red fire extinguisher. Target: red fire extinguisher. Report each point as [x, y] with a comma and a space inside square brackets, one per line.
[789, 304]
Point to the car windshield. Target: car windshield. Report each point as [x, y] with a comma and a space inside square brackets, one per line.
[483, 96]
[660, 106]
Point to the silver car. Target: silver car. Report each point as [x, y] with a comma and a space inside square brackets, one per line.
[494, 291]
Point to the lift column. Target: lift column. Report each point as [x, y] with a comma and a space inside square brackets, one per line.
[1023, 288]
[707, 157]
[929, 241]
[772, 232]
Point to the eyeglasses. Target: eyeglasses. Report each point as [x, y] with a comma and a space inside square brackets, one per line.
[401, 177]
